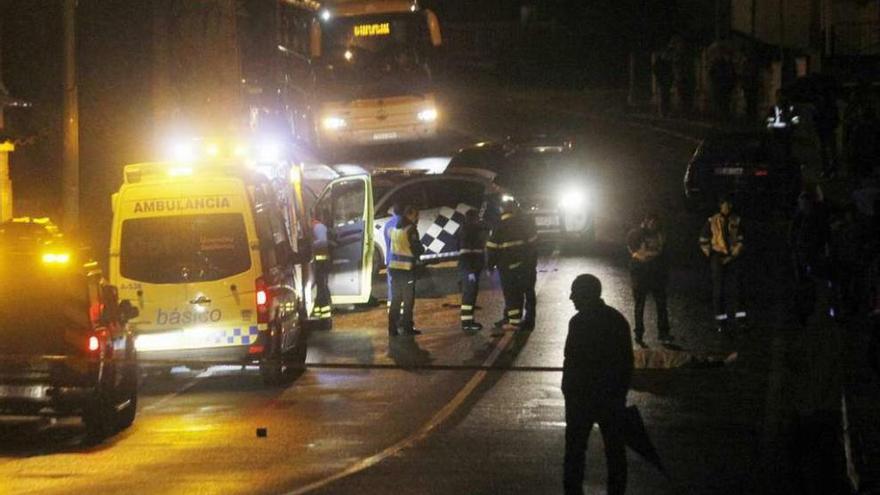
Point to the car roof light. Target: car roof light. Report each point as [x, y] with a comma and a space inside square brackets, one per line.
[56, 258]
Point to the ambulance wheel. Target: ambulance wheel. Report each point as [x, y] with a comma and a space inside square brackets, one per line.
[271, 366]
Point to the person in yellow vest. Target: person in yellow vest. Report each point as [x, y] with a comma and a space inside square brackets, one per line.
[321, 256]
[722, 242]
[406, 248]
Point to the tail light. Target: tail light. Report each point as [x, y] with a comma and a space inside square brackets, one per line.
[762, 172]
[262, 300]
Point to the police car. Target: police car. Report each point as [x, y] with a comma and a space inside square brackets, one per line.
[545, 177]
[360, 203]
[65, 346]
[206, 250]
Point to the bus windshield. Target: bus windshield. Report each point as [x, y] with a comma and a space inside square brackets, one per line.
[375, 56]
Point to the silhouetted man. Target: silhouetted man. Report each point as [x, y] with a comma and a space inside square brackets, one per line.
[595, 378]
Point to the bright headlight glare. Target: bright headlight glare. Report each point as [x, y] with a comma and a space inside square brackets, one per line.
[428, 115]
[183, 152]
[334, 123]
[573, 199]
[269, 151]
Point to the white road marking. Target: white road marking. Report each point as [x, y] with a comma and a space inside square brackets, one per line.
[169, 397]
[438, 418]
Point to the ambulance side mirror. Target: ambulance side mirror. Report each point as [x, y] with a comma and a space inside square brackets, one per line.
[128, 311]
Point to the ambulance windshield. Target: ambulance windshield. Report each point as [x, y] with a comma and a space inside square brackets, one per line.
[184, 248]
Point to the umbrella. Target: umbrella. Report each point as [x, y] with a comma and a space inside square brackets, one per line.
[635, 436]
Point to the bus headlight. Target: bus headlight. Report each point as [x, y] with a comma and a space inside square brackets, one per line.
[334, 123]
[428, 115]
[573, 199]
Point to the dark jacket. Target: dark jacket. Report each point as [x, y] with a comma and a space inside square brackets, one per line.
[512, 243]
[598, 362]
[651, 246]
[472, 247]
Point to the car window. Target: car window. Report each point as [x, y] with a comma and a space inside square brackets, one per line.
[184, 248]
[451, 193]
[412, 194]
[490, 159]
[347, 202]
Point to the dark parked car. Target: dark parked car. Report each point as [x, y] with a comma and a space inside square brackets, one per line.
[65, 348]
[753, 166]
[544, 176]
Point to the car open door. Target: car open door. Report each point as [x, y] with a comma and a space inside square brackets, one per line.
[347, 206]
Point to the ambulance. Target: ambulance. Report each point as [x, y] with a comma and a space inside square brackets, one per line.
[211, 253]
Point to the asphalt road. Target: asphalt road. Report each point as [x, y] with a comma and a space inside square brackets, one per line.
[455, 413]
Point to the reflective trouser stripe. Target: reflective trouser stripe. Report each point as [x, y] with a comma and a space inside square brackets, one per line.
[515, 265]
[513, 312]
[466, 306]
[740, 314]
[321, 257]
[720, 317]
[467, 317]
[514, 321]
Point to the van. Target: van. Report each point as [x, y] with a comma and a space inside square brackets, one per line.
[65, 346]
[203, 251]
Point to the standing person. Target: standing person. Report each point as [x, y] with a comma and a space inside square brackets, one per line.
[722, 74]
[509, 250]
[649, 274]
[472, 253]
[391, 224]
[663, 77]
[722, 242]
[781, 120]
[321, 256]
[808, 240]
[596, 376]
[405, 251]
[531, 269]
[826, 122]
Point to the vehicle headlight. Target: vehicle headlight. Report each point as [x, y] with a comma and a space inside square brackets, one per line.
[334, 123]
[573, 200]
[428, 115]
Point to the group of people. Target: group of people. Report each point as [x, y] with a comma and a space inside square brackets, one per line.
[510, 248]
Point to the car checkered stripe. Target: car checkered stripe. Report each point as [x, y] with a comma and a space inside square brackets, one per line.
[440, 239]
[233, 336]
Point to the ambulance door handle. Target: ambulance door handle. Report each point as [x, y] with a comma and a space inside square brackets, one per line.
[201, 300]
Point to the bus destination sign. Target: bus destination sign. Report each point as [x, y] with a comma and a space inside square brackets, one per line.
[378, 29]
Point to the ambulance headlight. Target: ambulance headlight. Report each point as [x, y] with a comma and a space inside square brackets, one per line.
[334, 123]
[573, 199]
[428, 115]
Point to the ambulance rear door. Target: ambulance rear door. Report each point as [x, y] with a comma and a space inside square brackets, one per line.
[347, 206]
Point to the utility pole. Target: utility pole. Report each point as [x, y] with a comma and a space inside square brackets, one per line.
[70, 158]
[6, 147]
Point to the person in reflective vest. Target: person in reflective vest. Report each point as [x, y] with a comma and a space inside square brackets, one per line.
[781, 120]
[397, 214]
[722, 242]
[472, 252]
[511, 249]
[321, 257]
[406, 248]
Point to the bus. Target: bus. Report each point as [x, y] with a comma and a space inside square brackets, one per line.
[358, 72]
